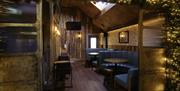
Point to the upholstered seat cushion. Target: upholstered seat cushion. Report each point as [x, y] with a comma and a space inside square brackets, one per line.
[122, 79]
[120, 69]
[94, 62]
[126, 65]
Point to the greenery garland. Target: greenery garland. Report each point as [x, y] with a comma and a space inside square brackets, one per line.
[171, 40]
[171, 33]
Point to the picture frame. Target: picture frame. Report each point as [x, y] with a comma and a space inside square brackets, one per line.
[124, 37]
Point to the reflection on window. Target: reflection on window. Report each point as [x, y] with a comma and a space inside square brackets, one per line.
[93, 42]
[18, 40]
[17, 13]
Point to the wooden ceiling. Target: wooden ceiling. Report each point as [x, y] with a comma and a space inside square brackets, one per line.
[118, 16]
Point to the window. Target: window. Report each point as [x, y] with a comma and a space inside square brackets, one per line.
[102, 5]
[18, 39]
[93, 42]
[18, 33]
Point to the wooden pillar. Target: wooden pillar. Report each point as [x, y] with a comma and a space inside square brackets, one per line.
[46, 44]
[51, 36]
[106, 39]
[140, 43]
[39, 42]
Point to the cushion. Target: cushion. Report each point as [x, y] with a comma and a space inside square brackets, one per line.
[133, 58]
[122, 79]
[133, 72]
[94, 62]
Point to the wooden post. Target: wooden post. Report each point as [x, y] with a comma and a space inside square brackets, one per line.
[106, 39]
[140, 43]
[39, 42]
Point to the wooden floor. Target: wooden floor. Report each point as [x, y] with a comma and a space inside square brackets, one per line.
[84, 79]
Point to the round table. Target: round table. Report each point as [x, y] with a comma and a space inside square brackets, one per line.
[115, 61]
[93, 56]
[93, 53]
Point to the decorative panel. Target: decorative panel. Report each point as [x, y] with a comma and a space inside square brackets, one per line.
[152, 70]
[18, 73]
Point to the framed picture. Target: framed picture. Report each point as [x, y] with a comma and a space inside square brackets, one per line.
[124, 37]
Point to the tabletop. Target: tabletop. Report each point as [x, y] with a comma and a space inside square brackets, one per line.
[61, 62]
[116, 60]
[93, 53]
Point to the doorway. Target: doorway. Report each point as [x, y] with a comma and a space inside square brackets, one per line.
[93, 41]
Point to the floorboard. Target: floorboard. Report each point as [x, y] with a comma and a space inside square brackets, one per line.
[84, 79]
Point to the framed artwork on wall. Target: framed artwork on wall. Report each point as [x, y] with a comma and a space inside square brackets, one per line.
[124, 37]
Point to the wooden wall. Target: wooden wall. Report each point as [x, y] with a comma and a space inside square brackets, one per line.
[21, 71]
[152, 36]
[152, 72]
[18, 73]
[75, 46]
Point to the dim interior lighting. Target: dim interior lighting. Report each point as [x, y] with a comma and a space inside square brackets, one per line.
[79, 35]
[56, 30]
[165, 59]
[162, 69]
[122, 35]
[160, 87]
[58, 33]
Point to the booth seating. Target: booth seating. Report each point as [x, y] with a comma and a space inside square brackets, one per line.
[127, 72]
[128, 80]
[132, 58]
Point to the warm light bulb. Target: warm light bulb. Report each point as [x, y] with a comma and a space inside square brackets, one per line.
[122, 35]
[79, 35]
[56, 30]
[58, 33]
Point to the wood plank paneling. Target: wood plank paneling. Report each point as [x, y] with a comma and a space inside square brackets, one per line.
[152, 69]
[18, 73]
[123, 47]
[74, 46]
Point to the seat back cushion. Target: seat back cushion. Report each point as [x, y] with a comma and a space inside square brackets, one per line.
[133, 58]
[122, 79]
[133, 79]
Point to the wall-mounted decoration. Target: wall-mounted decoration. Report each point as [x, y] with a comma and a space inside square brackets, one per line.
[124, 37]
[73, 26]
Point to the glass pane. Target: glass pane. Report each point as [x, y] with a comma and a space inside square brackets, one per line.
[93, 42]
[18, 13]
[18, 40]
